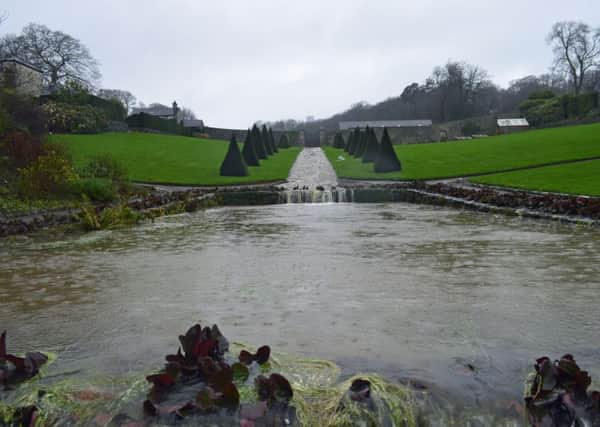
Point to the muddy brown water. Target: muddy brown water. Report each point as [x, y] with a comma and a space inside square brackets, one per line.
[404, 290]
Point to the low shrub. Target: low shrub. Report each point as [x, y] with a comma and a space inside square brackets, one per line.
[105, 166]
[96, 189]
[146, 121]
[50, 174]
[22, 148]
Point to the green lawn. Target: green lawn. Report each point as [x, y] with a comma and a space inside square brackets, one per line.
[572, 178]
[173, 159]
[479, 156]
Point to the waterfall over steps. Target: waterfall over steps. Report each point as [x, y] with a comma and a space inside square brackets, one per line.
[313, 180]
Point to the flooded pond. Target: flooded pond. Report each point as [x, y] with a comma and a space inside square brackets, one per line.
[462, 302]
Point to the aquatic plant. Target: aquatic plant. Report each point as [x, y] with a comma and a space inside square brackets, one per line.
[15, 369]
[557, 392]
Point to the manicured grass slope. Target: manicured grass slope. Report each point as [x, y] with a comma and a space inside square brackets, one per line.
[478, 156]
[173, 159]
[572, 178]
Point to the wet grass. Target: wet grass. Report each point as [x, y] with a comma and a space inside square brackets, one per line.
[173, 159]
[479, 156]
[573, 178]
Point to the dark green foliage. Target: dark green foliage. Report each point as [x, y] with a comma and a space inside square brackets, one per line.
[386, 160]
[372, 148]
[354, 142]
[96, 189]
[249, 152]
[233, 164]
[74, 93]
[338, 141]
[105, 166]
[540, 110]
[470, 128]
[146, 121]
[362, 145]
[259, 145]
[73, 118]
[272, 139]
[266, 140]
[349, 141]
[541, 94]
[284, 141]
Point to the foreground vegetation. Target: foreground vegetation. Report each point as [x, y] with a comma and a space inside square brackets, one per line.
[173, 159]
[478, 156]
[573, 178]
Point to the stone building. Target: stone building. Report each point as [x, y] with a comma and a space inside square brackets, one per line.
[400, 131]
[26, 78]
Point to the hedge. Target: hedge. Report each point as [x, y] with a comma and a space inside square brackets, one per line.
[146, 121]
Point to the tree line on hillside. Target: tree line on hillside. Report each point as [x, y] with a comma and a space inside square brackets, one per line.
[459, 90]
[259, 144]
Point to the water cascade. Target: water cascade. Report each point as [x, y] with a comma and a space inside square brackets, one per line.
[313, 180]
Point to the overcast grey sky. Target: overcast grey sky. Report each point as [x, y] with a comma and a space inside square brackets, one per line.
[234, 62]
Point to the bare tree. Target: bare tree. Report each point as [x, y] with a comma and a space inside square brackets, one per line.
[576, 49]
[60, 56]
[187, 114]
[125, 97]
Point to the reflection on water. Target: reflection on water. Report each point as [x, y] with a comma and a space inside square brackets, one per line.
[409, 291]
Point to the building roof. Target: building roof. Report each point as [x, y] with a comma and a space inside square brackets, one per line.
[386, 123]
[192, 123]
[18, 61]
[512, 122]
[161, 111]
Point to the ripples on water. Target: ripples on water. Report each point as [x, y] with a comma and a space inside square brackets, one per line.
[406, 290]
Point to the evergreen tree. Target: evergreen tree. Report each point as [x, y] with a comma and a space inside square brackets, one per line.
[233, 164]
[338, 140]
[272, 139]
[355, 142]
[349, 142]
[362, 145]
[249, 152]
[259, 145]
[266, 140]
[372, 148]
[284, 141]
[386, 161]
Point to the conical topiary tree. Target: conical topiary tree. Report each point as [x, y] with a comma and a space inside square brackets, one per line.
[272, 139]
[362, 145]
[284, 141]
[249, 152]
[259, 145]
[386, 160]
[349, 141]
[234, 164]
[338, 141]
[355, 142]
[372, 148]
[266, 140]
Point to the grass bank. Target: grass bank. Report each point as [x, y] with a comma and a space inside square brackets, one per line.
[479, 156]
[573, 178]
[173, 159]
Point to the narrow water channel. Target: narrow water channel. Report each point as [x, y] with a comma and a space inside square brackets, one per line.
[404, 290]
